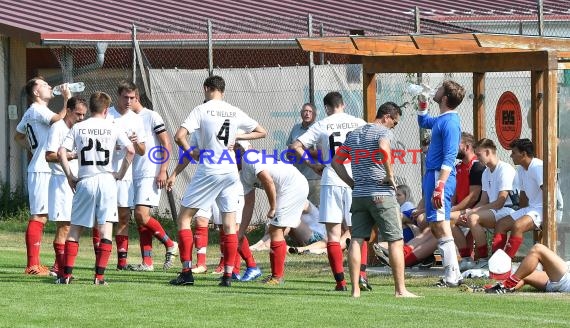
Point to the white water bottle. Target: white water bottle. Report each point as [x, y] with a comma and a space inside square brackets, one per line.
[73, 87]
[415, 89]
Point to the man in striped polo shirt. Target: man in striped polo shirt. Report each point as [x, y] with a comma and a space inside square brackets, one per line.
[374, 192]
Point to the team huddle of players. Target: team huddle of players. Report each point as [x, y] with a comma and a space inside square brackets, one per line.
[81, 176]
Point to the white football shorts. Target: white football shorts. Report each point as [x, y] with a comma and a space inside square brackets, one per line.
[290, 206]
[215, 215]
[125, 193]
[95, 200]
[335, 205]
[502, 212]
[534, 212]
[146, 192]
[38, 187]
[203, 190]
[61, 198]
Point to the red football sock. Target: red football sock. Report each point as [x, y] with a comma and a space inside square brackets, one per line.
[71, 249]
[409, 256]
[145, 242]
[185, 246]
[201, 243]
[104, 250]
[465, 252]
[277, 258]
[246, 254]
[221, 263]
[230, 251]
[34, 234]
[511, 282]
[122, 249]
[483, 251]
[499, 241]
[513, 246]
[59, 257]
[237, 263]
[363, 258]
[407, 249]
[334, 253]
[157, 230]
[96, 238]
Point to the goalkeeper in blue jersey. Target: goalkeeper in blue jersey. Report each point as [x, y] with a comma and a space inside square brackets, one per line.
[439, 180]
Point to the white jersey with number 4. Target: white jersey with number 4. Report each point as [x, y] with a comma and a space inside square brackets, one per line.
[216, 123]
[35, 125]
[328, 134]
[128, 123]
[147, 166]
[57, 133]
[95, 140]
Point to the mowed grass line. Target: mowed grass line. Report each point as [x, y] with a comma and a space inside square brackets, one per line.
[135, 299]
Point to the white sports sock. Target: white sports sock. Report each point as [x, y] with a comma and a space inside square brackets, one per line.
[449, 258]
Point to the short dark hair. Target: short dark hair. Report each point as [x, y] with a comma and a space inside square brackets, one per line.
[333, 99]
[215, 82]
[99, 101]
[31, 84]
[389, 108]
[454, 92]
[523, 145]
[487, 144]
[128, 86]
[468, 138]
[74, 101]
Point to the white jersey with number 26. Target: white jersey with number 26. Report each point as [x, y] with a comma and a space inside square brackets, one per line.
[95, 140]
[328, 134]
[217, 123]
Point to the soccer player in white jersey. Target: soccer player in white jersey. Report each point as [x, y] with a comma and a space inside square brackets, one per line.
[95, 187]
[497, 182]
[61, 195]
[529, 216]
[132, 125]
[202, 217]
[216, 178]
[286, 189]
[31, 134]
[336, 196]
[149, 177]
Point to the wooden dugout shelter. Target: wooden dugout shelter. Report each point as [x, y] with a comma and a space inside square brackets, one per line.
[477, 53]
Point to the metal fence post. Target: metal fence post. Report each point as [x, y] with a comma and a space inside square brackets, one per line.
[322, 54]
[311, 63]
[419, 80]
[134, 38]
[540, 10]
[210, 50]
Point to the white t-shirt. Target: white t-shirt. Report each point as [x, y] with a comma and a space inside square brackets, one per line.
[217, 123]
[530, 182]
[143, 166]
[285, 176]
[328, 134]
[95, 139]
[57, 134]
[501, 179]
[128, 123]
[35, 125]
